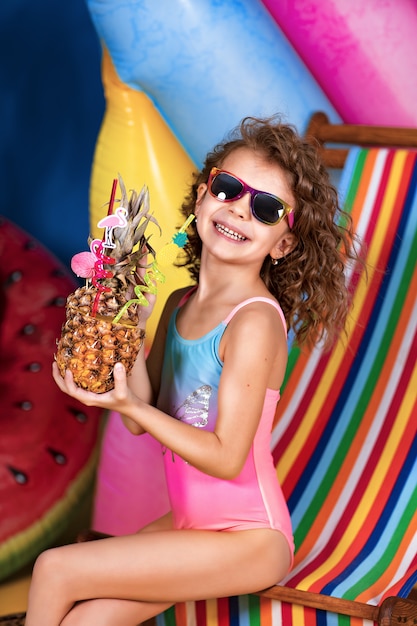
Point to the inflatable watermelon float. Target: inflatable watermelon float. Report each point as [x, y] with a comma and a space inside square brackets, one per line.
[47, 439]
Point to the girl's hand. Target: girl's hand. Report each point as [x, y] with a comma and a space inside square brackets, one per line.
[118, 399]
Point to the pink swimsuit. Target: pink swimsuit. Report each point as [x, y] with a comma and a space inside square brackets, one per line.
[254, 499]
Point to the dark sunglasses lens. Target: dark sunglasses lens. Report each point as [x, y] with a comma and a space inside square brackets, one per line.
[225, 187]
[267, 208]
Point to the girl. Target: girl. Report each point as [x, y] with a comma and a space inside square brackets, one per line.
[267, 253]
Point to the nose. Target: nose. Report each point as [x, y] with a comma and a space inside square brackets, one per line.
[241, 206]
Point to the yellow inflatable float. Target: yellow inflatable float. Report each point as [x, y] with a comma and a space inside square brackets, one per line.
[135, 141]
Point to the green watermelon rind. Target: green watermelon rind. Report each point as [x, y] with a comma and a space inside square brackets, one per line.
[22, 548]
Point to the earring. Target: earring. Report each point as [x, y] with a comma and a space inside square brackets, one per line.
[274, 261]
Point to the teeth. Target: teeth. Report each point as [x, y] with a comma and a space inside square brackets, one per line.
[230, 233]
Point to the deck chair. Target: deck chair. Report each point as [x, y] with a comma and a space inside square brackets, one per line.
[345, 434]
[345, 438]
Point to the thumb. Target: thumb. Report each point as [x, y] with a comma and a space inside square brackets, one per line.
[120, 381]
[119, 371]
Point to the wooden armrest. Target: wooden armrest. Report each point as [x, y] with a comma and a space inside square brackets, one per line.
[320, 131]
[392, 611]
[398, 611]
[321, 601]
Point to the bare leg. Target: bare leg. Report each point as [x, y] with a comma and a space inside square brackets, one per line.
[160, 567]
[107, 612]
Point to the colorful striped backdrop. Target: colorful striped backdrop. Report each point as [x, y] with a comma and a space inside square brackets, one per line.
[345, 439]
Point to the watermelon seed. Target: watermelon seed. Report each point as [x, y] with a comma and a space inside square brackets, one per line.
[31, 245]
[13, 278]
[28, 329]
[19, 476]
[34, 367]
[79, 415]
[58, 301]
[60, 458]
[26, 405]
[58, 272]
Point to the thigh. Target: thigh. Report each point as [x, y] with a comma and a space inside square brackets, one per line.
[176, 565]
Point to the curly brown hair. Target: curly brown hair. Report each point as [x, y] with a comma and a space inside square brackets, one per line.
[310, 282]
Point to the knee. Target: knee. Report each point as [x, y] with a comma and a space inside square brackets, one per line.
[71, 619]
[46, 568]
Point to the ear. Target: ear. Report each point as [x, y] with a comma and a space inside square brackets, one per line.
[285, 244]
[201, 192]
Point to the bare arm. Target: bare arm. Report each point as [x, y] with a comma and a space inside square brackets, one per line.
[254, 347]
[250, 357]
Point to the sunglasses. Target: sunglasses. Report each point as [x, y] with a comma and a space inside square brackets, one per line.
[265, 207]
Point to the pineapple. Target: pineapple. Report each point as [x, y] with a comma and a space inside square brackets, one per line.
[102, 316]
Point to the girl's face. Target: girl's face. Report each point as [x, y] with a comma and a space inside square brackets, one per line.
[229, 229]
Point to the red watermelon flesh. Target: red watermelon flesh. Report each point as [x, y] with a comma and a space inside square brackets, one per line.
[47, 439]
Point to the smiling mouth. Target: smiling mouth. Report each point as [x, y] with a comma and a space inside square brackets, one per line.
[231, 234]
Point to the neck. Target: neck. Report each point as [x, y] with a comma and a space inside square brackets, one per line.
[241, 281]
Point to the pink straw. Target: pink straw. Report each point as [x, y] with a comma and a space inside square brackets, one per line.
[101, 288]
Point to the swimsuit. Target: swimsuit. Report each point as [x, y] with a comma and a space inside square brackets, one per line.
[189, 385]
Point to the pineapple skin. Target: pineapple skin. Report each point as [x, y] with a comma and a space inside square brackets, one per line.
[90, 346]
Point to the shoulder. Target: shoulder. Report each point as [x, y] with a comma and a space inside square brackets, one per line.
[158, 344]
[257, 324]
[174, 300]
[176, 296]
[269, 302]
[255, 342]
[258, 312]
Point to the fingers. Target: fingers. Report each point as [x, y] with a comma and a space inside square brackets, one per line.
[67, 385]
[112, 399]
[142, 268]
[120, 380]
[56, 375]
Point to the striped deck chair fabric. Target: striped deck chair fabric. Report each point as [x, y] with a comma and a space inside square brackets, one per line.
[345, 442]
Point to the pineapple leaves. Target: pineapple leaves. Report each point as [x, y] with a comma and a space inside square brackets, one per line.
[138, 219]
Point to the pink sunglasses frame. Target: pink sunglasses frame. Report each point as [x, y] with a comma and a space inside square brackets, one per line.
[254, 193]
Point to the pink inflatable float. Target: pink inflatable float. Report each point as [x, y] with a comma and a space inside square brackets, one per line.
[131, 490]
[363, 54]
